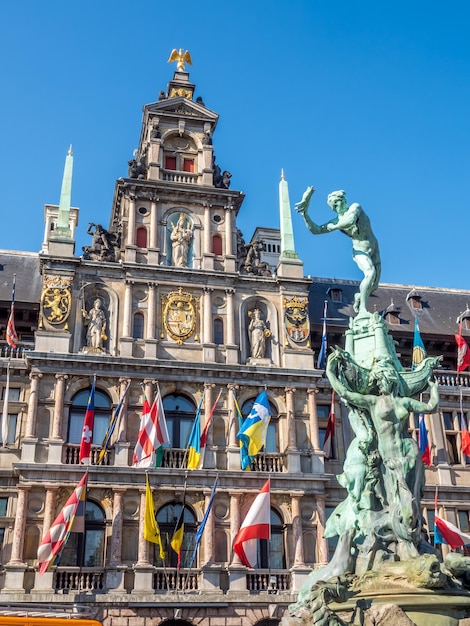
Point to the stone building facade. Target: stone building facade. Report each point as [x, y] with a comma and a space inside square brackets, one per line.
[169, 297]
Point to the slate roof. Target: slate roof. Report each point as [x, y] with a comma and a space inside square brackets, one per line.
[28, 279]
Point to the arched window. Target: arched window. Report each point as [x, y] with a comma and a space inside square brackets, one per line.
[217, 245]
[271, 553]
[77, 416]
[87, 549]
[218, 331]
[180, 412]
[141, 237]
[138, 326]
[167, 518]
[272, 443]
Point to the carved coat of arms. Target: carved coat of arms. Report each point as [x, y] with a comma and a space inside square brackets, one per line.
[180, 315]
[296, 322]
[56, 300]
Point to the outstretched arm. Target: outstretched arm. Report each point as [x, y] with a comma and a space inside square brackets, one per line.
[356, 399]
[429, 407]
[302, 208]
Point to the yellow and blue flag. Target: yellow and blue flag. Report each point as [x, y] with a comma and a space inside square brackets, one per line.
[254, 430]
[194, 444]
[419, 351]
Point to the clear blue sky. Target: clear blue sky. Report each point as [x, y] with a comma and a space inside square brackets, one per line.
[371, 97]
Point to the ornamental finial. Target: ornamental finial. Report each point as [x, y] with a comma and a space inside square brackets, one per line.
[181, 58]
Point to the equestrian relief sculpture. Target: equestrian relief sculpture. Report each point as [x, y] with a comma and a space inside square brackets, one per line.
[383, 549]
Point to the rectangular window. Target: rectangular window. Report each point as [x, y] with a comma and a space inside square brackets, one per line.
[3, 506]
[188, 165]
[464, 526]
[2, 536]
[170, 163]
[13, 394]
[451, 432]
[12, 421]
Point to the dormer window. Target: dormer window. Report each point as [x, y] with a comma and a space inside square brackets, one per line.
[336, 294]
[391, 314]
[414, 300]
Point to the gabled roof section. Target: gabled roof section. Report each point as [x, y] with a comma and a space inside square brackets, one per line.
[181, 106]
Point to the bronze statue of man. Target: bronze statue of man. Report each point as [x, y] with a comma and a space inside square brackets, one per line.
[353, 222]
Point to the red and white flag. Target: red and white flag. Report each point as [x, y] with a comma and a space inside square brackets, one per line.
[256, 525]
[57, 535]
[87, 432]
[206, 430]
[153, 433]
[11, 336]
[463, 354]
[330, 430]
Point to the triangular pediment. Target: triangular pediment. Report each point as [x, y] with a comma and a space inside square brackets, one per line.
[181, 106]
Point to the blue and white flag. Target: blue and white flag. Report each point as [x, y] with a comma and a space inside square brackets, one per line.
[419, 351]
[202, 525]
[254, 429]
[324, 345]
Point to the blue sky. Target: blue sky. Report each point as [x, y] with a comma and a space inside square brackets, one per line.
[371, 97]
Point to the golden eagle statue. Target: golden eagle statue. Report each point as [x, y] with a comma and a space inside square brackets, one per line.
[181, 58]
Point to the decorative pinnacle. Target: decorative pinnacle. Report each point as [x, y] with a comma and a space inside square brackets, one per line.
[70, 150]
[181, 58]
[282, 173]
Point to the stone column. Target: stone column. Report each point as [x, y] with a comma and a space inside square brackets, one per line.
[209, 458]
[20, 525]
[126, 337]
[143, 570]
[293, 455]
[297, 531]
[131, 222]
[231, 348]
[153, 222]
[230, 260]
[207, 255]
[121, 445]
[233, 448]
[321, 521]
[234, 524]
[317, 459]
[56, 442]
[28, 448]
[115, 571]
[207, 325]
[208, 533]
[15, 568]
[151, 338]
[44, 582]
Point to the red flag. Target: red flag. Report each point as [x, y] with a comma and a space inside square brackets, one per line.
[256, 525]
[423, 441]
[465, 435]
[61, 527]
[463, 355]
[153, 433]
[330, 430]
[11, 336]
[87, 432]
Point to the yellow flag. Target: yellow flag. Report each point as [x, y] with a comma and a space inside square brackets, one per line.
[151, 529]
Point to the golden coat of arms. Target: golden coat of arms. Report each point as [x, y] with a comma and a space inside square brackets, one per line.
[56, 300]
[296, 322]
[179, 314]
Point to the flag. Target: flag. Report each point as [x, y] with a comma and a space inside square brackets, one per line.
[254, 429]
[87, 432]
[463, 354]
[256, 525]
[322, 354]
[112, 425]
[330, 430]
[446, 532]
[153, 433]
[177, 539]
[57, 535]
[202, 525]
[151, 529]
[423, 441]
[11, 336]
[245, 461]
[198, 439]
[419, 351]
[464, 434]
[5, 420]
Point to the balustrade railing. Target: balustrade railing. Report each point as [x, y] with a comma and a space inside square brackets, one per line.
[269, 581]
[14, 353]
[172, 580]
[452, 379]
[179, 177]
[71, 455]
[78, 579]
[268, 462]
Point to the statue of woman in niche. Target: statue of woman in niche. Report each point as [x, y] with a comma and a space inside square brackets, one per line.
[259, 332]
[181, 236]
[95, 320]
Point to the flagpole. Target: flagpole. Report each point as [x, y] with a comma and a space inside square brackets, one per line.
[165, 573]
[198, 416]
[6, 392]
